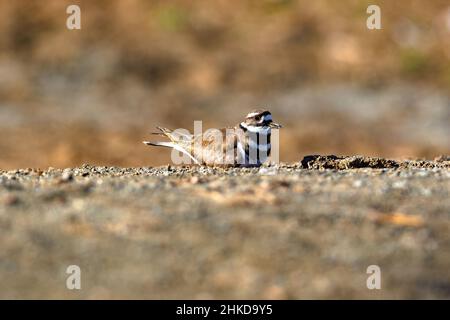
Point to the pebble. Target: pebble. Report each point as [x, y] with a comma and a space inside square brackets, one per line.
[271, 171]
[67, 176]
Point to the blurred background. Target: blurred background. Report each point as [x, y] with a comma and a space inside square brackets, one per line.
[69, 97]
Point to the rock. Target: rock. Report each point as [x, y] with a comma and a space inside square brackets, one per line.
[67, 176]
[345, 162]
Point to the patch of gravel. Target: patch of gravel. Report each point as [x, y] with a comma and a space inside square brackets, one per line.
[302, 230]
[354, 162]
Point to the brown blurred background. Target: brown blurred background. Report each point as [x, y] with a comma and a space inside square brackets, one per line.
[69, 97]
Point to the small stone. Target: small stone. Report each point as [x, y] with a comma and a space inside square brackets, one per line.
[194, 180]
[67, 176]
[268, 171]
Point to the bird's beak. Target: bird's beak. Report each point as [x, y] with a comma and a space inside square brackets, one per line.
[275, 125]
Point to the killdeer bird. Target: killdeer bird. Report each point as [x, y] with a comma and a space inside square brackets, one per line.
[247, 144]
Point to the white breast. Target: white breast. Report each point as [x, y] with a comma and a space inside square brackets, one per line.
[261, 147]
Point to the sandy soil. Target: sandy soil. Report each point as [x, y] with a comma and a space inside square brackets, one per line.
[302, 230]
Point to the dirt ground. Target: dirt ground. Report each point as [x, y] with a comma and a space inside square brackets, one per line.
[302, 230]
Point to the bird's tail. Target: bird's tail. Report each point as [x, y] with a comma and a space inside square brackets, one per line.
[174, 146]
[159, 144]
[165, 133]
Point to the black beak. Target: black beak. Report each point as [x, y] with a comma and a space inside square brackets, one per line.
[275, 125]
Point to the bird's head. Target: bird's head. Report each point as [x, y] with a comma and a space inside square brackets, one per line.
[260, 118]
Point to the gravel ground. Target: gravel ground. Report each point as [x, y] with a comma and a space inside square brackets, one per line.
[302, 230]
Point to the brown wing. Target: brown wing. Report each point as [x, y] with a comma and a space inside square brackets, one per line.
[216, 147]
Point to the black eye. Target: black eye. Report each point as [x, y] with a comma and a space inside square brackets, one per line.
[257, 118]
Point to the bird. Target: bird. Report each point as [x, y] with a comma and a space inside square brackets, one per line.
[244, 145]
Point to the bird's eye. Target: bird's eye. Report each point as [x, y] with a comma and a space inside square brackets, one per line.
[257, 118]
